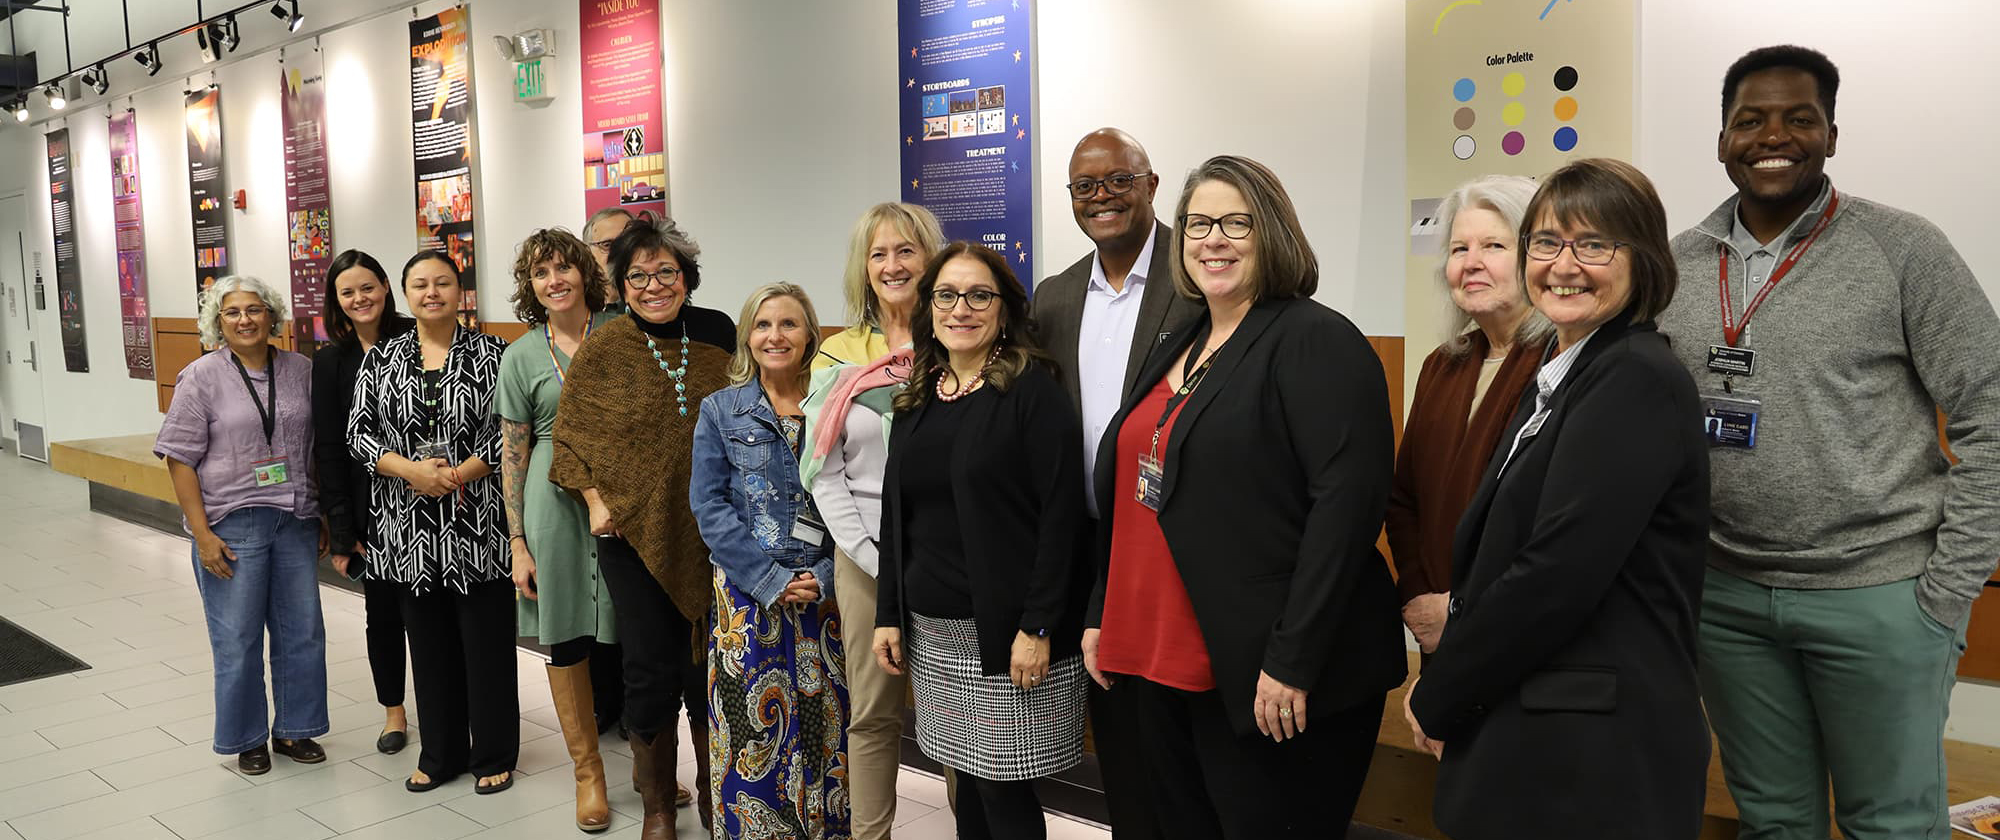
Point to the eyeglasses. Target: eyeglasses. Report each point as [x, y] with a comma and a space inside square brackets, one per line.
[1118, 184]
[946, 300]
[245, 312]
[640, 281]
[1198, 226]
[1587, 251]
[602, 246]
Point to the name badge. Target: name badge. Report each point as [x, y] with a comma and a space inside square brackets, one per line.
[1731, 361]
[810, 533]
[1152, 480]
[271, 472]
[428, 449]
[1730, 420]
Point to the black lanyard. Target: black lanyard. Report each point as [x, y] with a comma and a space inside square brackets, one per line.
[270, 417]
[1190, 379]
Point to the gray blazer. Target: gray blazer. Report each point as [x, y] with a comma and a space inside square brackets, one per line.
[1058, 314]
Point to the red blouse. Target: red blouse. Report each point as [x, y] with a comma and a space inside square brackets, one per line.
[1149, 628]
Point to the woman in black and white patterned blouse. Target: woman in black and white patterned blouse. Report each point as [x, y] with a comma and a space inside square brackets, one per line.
[423, 425]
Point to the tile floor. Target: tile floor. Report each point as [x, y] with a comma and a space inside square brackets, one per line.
[122, 750]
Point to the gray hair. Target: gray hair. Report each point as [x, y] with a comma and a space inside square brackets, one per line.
[1508, 196]
[210, 317]
[601, 215]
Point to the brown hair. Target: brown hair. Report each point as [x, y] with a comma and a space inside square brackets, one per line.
[562, 246]
[1615, 199]
[1286, 267]
[1016, 345]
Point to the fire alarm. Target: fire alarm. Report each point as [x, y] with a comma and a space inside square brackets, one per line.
[242, 201]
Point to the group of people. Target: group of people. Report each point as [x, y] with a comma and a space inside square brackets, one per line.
[1149, 499]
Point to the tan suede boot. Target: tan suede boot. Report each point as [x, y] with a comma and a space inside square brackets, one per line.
[571, 688]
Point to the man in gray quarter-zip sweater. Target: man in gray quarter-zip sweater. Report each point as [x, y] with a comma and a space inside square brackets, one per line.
[1845, 550]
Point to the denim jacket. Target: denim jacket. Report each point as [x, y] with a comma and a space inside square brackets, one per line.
[746, 494]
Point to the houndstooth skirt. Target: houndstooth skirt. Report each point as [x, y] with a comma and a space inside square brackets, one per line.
[983, 725]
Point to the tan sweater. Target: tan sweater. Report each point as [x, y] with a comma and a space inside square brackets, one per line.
[618, 429]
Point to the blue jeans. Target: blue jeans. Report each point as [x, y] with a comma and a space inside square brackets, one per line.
[274, 586]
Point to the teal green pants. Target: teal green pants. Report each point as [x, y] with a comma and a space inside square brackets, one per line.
[1807, 685]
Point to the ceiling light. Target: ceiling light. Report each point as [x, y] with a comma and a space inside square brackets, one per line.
[293, 20]
[55, 96]
[98, 79]
[229, 36]
[149, 58]
[21, 110]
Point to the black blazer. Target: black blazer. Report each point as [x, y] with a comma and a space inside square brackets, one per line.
[1017, 480]
[1277, 476]
[1564, 686]
[1058, 314]
[343, 482]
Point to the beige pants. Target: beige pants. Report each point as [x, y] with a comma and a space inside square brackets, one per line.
[875, 728]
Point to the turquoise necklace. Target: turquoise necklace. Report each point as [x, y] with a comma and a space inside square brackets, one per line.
[678, 375]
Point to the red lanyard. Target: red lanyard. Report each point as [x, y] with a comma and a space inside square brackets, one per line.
[1732, 332]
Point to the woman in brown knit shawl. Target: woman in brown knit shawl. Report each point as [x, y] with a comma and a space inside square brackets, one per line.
[621, 443]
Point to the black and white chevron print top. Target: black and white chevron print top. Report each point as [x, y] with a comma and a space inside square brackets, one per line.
[452, 541]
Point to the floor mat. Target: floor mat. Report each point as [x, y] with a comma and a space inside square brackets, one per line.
[24, 656]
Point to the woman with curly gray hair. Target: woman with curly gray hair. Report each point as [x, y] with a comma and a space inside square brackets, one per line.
[238, 441]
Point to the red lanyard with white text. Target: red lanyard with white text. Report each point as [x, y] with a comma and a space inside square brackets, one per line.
[1732, 332]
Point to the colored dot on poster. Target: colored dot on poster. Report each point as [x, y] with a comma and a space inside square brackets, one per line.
[1463, 119]
[1565, 78]
[1513, 143]
[1566, 108]
[1463, 90]
[1463, 147]
[1565, 139]
[1513, 84]
[1514, 113]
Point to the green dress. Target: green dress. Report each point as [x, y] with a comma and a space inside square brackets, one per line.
[573, 601]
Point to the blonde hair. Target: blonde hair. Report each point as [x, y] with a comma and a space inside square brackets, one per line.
[210, 317]
[915, 224]
[743, 366]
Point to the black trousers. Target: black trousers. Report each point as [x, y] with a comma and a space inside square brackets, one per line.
[991, 810]
[1210, 782]
[661, 676]
[383, 602]
[1122, 766]
[462, 656]
[607, 682]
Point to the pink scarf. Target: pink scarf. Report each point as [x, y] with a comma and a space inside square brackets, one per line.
[892, 369]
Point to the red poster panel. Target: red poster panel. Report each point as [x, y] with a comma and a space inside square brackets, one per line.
[624, 127]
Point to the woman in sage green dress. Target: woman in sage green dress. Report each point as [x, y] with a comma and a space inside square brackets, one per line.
[559, 288]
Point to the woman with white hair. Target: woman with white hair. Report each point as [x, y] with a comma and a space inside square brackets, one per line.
[238, 441]
[1466, 392]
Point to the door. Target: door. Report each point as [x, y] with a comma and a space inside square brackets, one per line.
[21, 357]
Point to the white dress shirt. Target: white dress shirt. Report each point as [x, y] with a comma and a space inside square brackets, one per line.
[1103, 344]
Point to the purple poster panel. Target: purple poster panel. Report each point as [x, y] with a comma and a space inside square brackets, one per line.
[308, 203]
[624, 131]
[69, 278]
[441, 128]
[207, 193]
[129, 230]
[968, 154]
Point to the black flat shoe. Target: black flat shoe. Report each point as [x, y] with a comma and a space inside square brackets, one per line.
[301, 750]
[255, 761]
[392, 741]
[483, 788]
[412, 785]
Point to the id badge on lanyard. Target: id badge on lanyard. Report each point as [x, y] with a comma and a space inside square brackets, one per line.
[1729, 419]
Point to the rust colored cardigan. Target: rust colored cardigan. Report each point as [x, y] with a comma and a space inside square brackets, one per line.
[618, 429]
[1443, 457]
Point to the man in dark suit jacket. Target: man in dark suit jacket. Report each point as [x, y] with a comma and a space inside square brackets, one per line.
[1101, 318]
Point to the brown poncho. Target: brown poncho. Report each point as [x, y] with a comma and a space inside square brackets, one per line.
[619, 429]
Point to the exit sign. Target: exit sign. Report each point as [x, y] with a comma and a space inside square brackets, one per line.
[531, 82]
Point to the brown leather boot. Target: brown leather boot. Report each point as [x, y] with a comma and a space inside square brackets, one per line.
[651, 756]
[698, 733]
[571, 688]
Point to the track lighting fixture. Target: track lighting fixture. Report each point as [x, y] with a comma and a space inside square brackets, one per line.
[98, 79]
[21, 110]
[227, 34]
[293, 20]
[149, 58]
[54, 94]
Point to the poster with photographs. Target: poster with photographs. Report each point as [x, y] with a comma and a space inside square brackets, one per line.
[129, 232]
[968, 138]
[441, 128]
[624, 131]
[69, 278]
[207, 191]
[308, 201]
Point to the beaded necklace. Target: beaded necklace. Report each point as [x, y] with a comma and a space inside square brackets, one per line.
[969, 386]
[678, 375]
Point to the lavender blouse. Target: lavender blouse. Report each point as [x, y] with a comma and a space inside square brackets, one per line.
[213, 426]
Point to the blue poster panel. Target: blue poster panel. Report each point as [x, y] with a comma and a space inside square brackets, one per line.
[967, 75]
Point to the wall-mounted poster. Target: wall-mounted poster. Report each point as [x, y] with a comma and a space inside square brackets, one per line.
[441, 127]
[967, 115]
[69, 279]
[624, 132]
[207, 191]
[308, 203]
[1502, 87]
[129, 230]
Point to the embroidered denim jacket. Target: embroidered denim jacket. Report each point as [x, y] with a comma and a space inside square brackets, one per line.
[746, 496]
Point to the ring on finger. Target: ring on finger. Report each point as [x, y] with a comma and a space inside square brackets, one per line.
[1285, 712]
